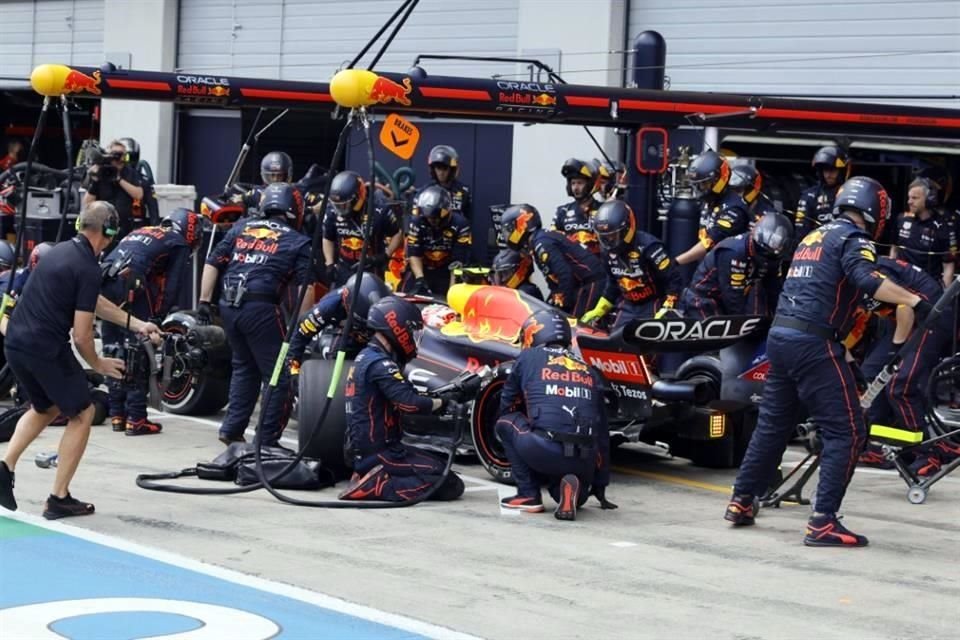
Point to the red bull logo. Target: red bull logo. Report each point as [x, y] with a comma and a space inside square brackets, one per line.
[403, 336]
[567, 363]
[494, 313]
[262, 234]
[385, 91]
[584, 237]
[435, 256]
[219, 91]
[77, 82]
[545, 100]
[353, 243]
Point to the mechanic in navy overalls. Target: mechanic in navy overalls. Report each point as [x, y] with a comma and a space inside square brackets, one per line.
[439, 241]
[145, 272]
[576, 278]
[643, 277]
[723, 213]
[512, 269]
[816, 207]
[377, 396]
[923, 237]
[343, 229]
[833, 267]
[21, 275]
[257, 259]
[330, 313]
[553, 423]
[574, 219]
[276, 166]
[904, 398]
[443, 162]
[740, 276]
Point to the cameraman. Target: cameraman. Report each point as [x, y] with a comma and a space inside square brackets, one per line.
[112, 180]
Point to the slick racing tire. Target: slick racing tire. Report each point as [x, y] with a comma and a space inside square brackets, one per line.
[195, 393]
[483, 419]
[322, 440]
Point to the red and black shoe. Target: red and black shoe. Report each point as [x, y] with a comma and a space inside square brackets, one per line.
[742, 510]
[527, 504]
[873, 457]
[569, 494]
[143, 427]
[369, 485]
[926, 465]
[118, 423]
[826, 530]
[947, 451]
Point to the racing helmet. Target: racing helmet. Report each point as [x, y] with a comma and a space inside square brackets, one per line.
[518, 223]
[868, 198]
[283, 199]
[187, 223]
[8, 256]
[831, 157]
[747, 181]
[575, 168]
[543, 327]
[348, 193]
[38, 252]
[511, 268]
[444, 154]
[276, 166]
[772, 236]
[615, 225]
[433, 205]
[372, 289]
[709, 172]
[132, 155]
[400, 323]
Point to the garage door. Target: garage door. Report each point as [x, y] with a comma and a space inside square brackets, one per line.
[876, 47]
[310, 39]
[33, 32]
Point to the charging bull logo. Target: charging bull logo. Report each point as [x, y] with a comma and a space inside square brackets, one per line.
[545, 100]
[385, 91]
[262, 234]
[567, 363]
[493, 313]
[77, 82]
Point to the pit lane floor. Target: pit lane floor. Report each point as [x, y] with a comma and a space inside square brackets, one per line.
[663, 565]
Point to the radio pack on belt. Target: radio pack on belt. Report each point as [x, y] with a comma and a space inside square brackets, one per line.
[234, 287]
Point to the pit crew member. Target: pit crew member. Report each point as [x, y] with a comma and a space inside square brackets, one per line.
[513, 269]
[438, 243]
[816, 204]
[574, 218]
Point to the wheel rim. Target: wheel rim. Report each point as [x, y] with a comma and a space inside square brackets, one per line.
[485, 439]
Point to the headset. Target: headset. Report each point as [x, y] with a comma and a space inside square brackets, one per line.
[111, 226]
[932, 200]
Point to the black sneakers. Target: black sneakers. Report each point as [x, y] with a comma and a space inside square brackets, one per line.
[529, 504]
[742, 510]
[825, 530]
[569, 494]
[65, 507]
[7, 501]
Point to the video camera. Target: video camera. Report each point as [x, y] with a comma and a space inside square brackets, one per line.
[103, 160]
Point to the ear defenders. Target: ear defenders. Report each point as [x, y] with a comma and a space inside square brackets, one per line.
[111, 226]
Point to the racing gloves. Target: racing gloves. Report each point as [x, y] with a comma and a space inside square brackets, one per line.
[668, 305]
[603, 307]
[421, 288]
[205, 313]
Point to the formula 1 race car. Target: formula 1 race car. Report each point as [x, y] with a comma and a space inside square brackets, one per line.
[705, 412]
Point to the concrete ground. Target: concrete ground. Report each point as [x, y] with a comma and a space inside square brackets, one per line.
[664, 564]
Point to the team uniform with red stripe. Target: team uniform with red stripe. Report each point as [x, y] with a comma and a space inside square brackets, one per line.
[833, 268]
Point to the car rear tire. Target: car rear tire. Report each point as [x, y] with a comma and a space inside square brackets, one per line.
[200, 393]
[323, 440]
[483, 419]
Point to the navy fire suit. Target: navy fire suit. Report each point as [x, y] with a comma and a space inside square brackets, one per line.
[257, 261]
[643, 277]
[905, 394]
[156, 262]
[19, 280]
[347, 235]
[832, 269]
[575, 276]
[553, 422]
[377, 395]
[439, 248]
[732, 280]
[723, 217]
[575, 220]
[815, 208]
[929, 243]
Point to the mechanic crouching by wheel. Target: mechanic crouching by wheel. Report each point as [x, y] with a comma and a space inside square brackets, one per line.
[438, 243]
[377, 395]
[833, 267]
[143, 274]
[258, 260]
[343, 228]
[553, 424]
[62, 296]
[332, 310]
[642, 274]
[741, 274]
[575, 276]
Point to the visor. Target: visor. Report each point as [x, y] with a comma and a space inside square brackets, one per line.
[610, 240]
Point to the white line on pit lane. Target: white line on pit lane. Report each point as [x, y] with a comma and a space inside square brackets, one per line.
[482, 483]
[791, 457]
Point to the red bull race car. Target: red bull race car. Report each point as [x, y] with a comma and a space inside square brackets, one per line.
[704, 412]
